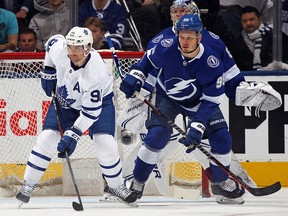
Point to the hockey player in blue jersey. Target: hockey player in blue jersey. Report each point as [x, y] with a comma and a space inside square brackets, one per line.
[113, 15]
[232, 75]
[190, 82]
[84, 92]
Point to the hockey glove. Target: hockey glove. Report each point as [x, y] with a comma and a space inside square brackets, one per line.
[68, 142]
[132, 82]
[193, 137]
[48, 80]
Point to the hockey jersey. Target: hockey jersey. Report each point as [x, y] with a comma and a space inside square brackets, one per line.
[232, 75]
[82, 88]
[196, 85]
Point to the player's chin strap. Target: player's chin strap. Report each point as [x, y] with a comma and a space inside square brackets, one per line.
[260, 95]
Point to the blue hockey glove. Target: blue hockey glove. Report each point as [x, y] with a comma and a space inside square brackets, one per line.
[48, 80]
[68, 142]
[132, 82]
[193, 137]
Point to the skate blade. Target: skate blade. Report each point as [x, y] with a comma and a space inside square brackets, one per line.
[20, 204]
[227, 201]
[108, 198]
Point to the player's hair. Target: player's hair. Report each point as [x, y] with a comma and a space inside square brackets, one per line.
[189, 7]
[190, 22]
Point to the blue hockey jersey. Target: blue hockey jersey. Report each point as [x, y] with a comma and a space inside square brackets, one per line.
[232, 75]
[113, 15]
[195, 85]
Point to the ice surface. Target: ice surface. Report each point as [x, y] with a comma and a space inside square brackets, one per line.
[272, 205]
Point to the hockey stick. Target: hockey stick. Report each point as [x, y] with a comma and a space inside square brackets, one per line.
[270, 189]
[76, 206]
[161, 184]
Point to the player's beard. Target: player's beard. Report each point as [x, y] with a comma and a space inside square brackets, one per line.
[190, 53]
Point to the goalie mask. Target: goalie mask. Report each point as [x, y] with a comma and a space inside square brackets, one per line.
[78, 36]
[182, 7]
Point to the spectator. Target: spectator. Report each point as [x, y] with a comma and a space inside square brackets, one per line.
[146, 15]
[253, 50]
[8, 31]
[53, 18]
[27, 41]
[97, 27]
[113, 15]
[285, 16]
[24, 10]
[230, 11]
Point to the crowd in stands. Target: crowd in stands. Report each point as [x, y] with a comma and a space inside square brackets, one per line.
[245, 26]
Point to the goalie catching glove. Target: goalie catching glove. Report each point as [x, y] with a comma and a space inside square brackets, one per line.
[260, 95]
[68, 142]
[193, 137]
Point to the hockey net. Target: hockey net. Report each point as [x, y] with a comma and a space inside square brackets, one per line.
[23, 105]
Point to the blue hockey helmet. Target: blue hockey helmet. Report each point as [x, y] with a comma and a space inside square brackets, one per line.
[190, 22]
[181, 7]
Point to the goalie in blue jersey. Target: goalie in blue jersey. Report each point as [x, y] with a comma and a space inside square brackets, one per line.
[190, 82]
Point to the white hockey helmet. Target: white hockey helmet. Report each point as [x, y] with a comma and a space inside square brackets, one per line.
[187, 6]
[78, 36]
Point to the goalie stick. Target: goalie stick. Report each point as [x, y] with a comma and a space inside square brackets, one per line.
[76, 206]
[270, 189]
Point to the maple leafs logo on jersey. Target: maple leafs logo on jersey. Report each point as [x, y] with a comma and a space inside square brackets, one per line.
[62, 97]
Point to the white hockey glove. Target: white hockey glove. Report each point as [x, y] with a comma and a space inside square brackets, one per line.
[260, 95]
[133, 116]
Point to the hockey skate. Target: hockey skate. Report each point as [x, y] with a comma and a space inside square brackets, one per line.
[137, 188]
[123, 195]
[25, 193]
[229, 189]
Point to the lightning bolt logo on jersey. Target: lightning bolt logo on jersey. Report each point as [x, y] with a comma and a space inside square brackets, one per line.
[187, 81]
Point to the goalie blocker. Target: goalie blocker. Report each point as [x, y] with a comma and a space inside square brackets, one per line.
[257, 94]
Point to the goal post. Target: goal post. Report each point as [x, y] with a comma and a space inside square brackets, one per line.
[23, 106]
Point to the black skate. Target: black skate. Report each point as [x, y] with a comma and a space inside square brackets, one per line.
[137, 188]
[25, 193]
[124, 195]
[229, 189]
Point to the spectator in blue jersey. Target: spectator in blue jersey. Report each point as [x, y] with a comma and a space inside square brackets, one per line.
[53, 18]
[190, 82]
[253, 50]
[113, 15]
[8, 31]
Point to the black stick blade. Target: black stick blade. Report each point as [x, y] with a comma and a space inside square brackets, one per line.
[77, 206]
[270, 189]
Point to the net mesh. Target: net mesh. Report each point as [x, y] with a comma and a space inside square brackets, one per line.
[23, 105]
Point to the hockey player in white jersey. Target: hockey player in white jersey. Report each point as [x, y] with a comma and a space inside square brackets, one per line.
[84, 98]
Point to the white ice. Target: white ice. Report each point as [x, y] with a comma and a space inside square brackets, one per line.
[272, 205]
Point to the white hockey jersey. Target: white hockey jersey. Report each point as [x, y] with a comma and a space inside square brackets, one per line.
[82, 88]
